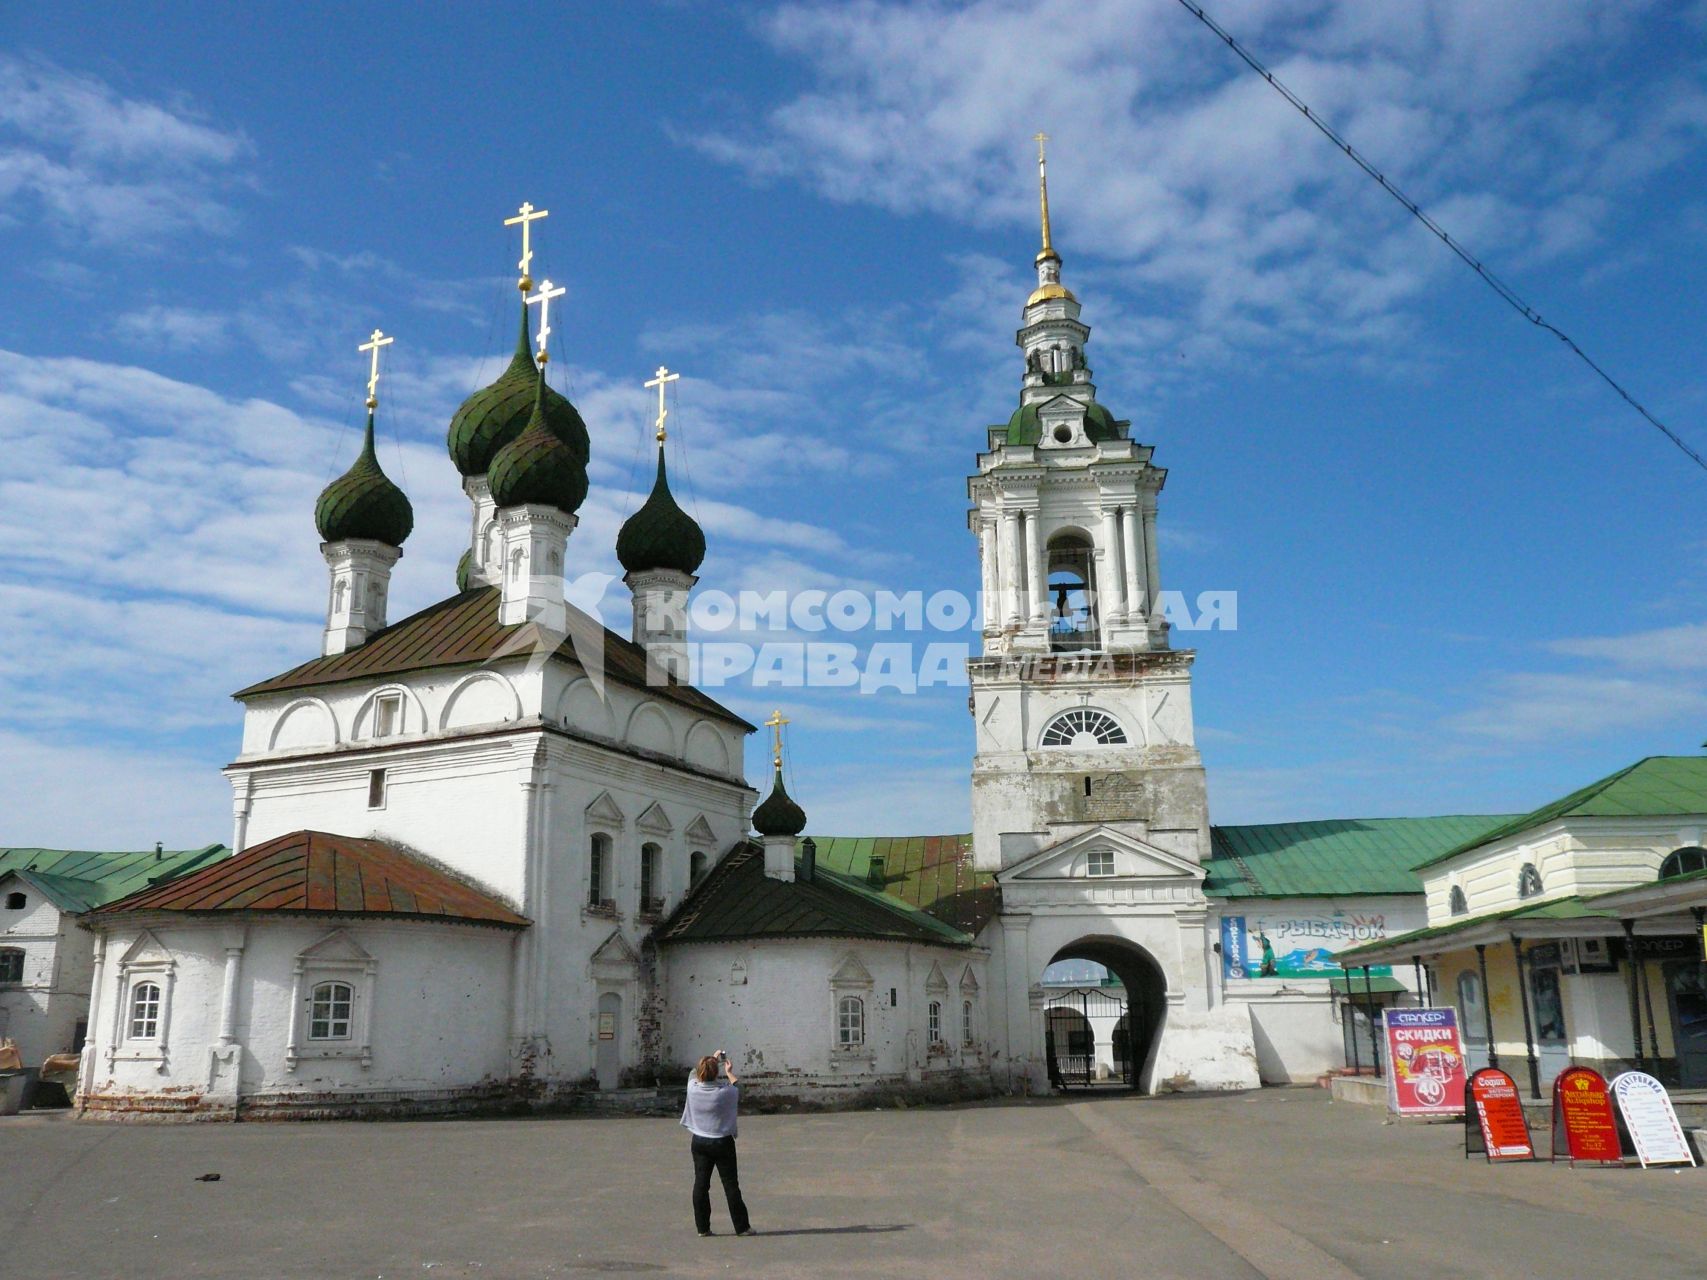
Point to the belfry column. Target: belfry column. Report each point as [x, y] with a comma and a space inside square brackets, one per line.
[1136, 605]
[1036, 582]
[1158, 624]
[990, 578]
[1111, 599]
[1011, 569]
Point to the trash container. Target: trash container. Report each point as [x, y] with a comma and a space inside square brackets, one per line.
[15, 1090]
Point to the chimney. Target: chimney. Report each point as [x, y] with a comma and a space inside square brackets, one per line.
[808, 859]
[874, 873]
[159, 849]
[779, 857]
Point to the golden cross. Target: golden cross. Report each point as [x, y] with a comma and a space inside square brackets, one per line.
[543, 297]
[663, 378]
[373, 344]
[1038, 138]
[526, 214]
[775, 723]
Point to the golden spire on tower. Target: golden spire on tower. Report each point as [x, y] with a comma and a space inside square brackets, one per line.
[775, 724]
[1048, 250]
[663, 378]
[373, 344]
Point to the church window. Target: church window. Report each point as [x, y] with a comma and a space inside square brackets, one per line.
[387, 715]
[11, 964]
[376, 788]
[1683, 862]
[145, 1011]
[329, 1011]
[934, 1022]
[1083, 727]
[1528, 881]
[1100, 862]
[696, 867]
[651, 901]
[966, 1022]
[16, 902]
[1456, 903]
[598, 870]
[850, 1022]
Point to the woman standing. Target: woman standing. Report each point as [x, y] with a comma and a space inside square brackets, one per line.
[710, 1117]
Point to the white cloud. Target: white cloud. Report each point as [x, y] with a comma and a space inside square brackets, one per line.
[89, 161]
[1681, 648]
[1190, 178]
[164, 328]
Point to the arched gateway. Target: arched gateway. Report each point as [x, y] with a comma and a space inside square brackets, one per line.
[1105, 1034]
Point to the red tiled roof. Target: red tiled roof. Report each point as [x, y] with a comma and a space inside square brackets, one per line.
[315, 871]
[464, 630]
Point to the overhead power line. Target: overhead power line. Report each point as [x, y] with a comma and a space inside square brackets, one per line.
[1505, 291]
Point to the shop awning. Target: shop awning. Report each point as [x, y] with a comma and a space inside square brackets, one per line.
[1379, 984]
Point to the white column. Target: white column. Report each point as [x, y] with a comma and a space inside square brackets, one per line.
[1037, 582]
[228, 996]
[1136, 606]
[1011, 567]
[989, 574]
[1111, 600]
[1153, 574]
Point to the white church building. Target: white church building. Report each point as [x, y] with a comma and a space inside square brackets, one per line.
[493, 853]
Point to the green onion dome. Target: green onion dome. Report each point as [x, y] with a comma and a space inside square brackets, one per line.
[1025, 428]
[495, 415]
[660, 535]
[363, 503]
[539, 467]
[464, 568]
[778, 815]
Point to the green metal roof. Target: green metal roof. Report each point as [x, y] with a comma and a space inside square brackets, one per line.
[1652, 787]
[363, 502]
[738, 901]
[80, 880]
[931, 873]
[1024, 427]
[1376, 985]
[660, 535]
[1332, 857]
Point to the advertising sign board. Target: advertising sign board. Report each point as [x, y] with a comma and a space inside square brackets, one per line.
[1499, 1117]
[1425, 1076]
[1584, 1127]
[1296, 946]
[1651, 1120]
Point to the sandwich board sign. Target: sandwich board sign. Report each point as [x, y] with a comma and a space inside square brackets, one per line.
[1498, 1118]
[1584, 1127]
[1650, 1119]
[1425, 1075]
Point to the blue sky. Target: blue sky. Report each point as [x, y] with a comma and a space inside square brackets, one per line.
[1469, 579]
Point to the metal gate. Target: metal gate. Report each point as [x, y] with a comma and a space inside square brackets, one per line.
[1087, 1038]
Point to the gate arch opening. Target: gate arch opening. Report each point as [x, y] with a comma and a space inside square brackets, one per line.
[1132, 1035]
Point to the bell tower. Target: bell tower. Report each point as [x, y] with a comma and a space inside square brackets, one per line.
[1083, 709]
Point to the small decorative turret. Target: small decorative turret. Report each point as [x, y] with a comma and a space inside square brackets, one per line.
[778, 820]
[363, 519]
[661, 546]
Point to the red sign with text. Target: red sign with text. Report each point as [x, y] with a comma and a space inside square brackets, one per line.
[1426, 1072]
[1582, 1117]
[1499, 1112]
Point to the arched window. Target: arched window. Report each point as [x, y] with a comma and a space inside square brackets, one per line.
[11, 964]
[1083, 727]
[145, 1011]
[850, 1021]
[329, 1011]
[933, 1023]
[598, 869]
[16, 902]
[1456, 903]
[651, 901]
[1072, 595]
[696, 867]
[1682, 862]
[966, 1022]
[1528, 881]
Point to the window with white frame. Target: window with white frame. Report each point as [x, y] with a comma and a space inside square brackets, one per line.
[1528, 881]
[376, 788]
[387, 715]
[144, 1023]
[966, 1022]
[850, 1022]
[1456, 904]
[11, 964]
[598, 869]
[696, 867]
[933, 1023]
[1083, 727]
[329, 1011]
[1099, 862]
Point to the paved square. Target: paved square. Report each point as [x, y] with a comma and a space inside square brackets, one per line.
[1280, 1183]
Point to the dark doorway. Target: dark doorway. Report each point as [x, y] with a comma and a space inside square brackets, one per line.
[1687, 992]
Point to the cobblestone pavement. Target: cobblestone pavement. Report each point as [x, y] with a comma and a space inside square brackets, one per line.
[1279, 1183]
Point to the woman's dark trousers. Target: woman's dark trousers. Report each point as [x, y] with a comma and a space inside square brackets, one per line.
[719, 1154]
